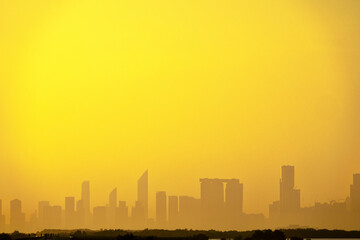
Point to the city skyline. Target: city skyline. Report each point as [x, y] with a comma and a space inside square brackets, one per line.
[220, 207]
[211, 96]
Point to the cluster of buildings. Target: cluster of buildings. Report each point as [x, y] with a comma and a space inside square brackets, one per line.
[219, 207]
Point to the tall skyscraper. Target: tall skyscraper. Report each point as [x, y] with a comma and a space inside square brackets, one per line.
[355, 194]
[85, 199]
[212, 202]
[99, 217]
[173, 211]
[111, 209]
[142, 194]
[17, 217]
[233, 202]
[113, 198]
[122, 217]
[189, 212]
[161, 209]
[41, 209]
[85, 195]
[70, 212]
[289, 196]
[2, 219]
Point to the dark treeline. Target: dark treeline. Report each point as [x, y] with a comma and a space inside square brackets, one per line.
[182, 234]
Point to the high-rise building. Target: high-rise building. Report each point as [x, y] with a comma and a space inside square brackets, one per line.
[233, 202]
[52, 217]
[85, 199]
[142, 194]
[17, 217]
[41, 209]
[138, 216]
[289, 196]
[161, 209]
[173, 211]
[70, 212]
[122, 217]
[2, 219]
[85, 195]
[99, 217]
[113, 198]
[189, 212]
[80, 214]
[212, 202]
[286, 210]
[111, 209]
[355, 194]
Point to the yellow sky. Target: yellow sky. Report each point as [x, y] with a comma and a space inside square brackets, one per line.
[102, 90]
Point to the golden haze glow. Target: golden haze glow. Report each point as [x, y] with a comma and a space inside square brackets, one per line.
[102, 90]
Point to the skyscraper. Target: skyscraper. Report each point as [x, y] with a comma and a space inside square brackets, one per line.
[2, 219]
[355, 194]
[161, 209]
[173, 211]
[233, 202]
[17, 217]
[85, 195]
[212, 202]
[142, 194]
[111, 209]
[289, 196]
[41, 209]
[85, 200]
[70, 212]
[113, 198]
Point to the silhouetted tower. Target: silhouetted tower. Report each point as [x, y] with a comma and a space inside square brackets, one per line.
[233, 201]
[212, 202]
[122, 217]
[161, 209]
[99, 217]
[52, 217]
[289, 197]
[41, 209]
[189, 212]
[138, 215]
[85, 198]
[113, 198]
[142, 194]
[173, 211]
[70, 212]
[111, 209]
[17, 217]
[85, 195]
[355, 194]
[2, 219]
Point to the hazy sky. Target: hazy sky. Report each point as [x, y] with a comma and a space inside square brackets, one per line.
[103, 90]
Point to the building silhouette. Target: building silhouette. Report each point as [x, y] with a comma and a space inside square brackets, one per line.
[99, 217]
[138, 220]
[17, 217]
[173, 211]
[189, 212]
[286, 210]
[2, 218]
[41, 212]
[219, 210]
[70, 215]
[122, 216]
[234, 192]
[355, 194]
[85, 203]
[161, 209]
[111, 209]
[140, 210]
